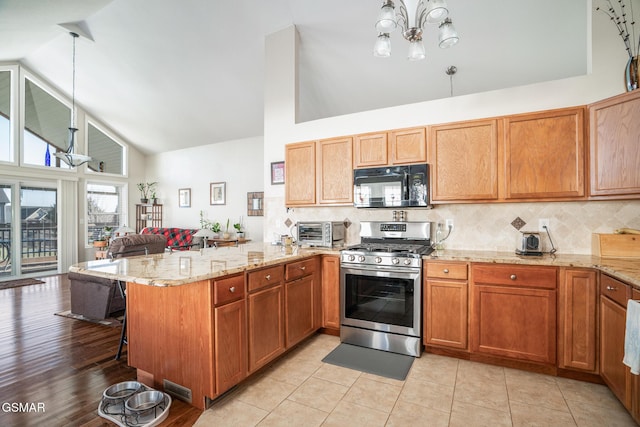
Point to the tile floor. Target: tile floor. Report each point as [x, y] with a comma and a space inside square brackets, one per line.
[301, 390]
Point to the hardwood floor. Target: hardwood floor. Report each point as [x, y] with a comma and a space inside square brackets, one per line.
[59, 364]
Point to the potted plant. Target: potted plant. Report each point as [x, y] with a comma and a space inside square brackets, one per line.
[226, 233]
[154, 198]
[239, 232]
[100, 242]
[106, 232]
[146, 188]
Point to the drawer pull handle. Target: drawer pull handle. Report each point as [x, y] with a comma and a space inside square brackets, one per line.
[612, 288]
[513, 277]
[446, 271]
[232, 289]
[303, 268]
[268, 277]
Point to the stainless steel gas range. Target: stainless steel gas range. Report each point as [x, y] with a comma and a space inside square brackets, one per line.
[380, 286]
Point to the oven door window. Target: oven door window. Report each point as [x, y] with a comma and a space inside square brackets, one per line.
[380, 300]
[379, 191]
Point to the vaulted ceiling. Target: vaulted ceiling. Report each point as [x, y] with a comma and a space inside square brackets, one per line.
[173, 74]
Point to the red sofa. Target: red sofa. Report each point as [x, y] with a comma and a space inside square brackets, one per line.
[177, 238]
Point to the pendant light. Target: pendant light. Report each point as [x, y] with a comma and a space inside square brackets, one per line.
[69, 157]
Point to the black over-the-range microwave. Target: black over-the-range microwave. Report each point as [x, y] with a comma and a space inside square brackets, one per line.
[391, 186]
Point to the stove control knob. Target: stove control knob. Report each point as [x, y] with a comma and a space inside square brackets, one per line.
[407, 261]
[378, 259]
[361, 258]
[351, 258]
[395, 261]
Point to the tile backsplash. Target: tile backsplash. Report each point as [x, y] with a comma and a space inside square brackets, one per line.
[479, 226]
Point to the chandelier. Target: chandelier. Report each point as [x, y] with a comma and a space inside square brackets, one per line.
[69, 157]
[411, 16]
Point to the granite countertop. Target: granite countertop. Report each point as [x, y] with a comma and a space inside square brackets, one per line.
[626, 269]
[181, 267]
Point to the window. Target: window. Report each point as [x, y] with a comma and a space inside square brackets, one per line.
[46, 127]
[6, 144]
[104, 208]
[107, 154]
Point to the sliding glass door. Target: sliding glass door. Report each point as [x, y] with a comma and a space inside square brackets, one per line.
[38, 229]
[28, 245]
[6, 228]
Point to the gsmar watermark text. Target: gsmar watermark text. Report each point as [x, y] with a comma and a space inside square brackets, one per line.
[22, 407]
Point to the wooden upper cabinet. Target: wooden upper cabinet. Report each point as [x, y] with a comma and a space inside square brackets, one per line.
[615, 146]
[370, 150]
[464, 161]
[545, 155]
[300, 183]
[407, 146]
[397, 147]
[335, 171]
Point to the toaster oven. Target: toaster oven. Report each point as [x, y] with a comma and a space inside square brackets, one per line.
[321, 233]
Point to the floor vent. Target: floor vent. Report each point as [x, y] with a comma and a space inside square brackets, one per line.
[177, 391]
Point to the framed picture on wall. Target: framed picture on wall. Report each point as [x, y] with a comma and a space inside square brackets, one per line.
[277, 173]
[184, 198]
[218, 193]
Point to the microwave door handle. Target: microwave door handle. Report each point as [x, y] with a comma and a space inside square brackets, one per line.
[405, 190]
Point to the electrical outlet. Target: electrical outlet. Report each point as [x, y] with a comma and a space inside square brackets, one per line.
[449, 223]
[542, 223]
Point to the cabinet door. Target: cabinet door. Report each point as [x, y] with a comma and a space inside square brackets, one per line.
[335, 171]
[230, 345]
[266, 326]
[445, 313]
[408, 146]
[612, 329]
[370, 150]
[635, 389]
[331, 292]
[514, 322]
[299, 298]
[545, 155]
[300, 171]
[577, 320]
[464, 161]
[615, 146]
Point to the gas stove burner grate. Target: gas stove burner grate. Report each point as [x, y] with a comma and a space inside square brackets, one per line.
[393, 249]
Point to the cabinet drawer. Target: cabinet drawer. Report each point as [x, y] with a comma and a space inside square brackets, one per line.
[298, 269]
[228, 289]
[533, 277]
[265, 277]
[635, 294]
[442, 270]
[615, 289]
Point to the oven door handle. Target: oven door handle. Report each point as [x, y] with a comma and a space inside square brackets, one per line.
[372, 270]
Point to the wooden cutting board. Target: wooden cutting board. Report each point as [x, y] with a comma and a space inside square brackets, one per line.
[616, 245]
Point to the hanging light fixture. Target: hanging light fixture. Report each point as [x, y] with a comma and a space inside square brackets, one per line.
[412, 15]
[69, 157]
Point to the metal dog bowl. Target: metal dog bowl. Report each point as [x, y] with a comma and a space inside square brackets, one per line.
[122, 390]
[144, 401]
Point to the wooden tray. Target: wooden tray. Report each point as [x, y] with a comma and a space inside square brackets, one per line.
[616, 245]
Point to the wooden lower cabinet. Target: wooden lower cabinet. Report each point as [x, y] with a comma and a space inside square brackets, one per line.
[265, 326]
[230, 345]
[577, 320]
[613, 314]
[330, 292]
[170, 336]
[513, 312]
[299, 306]
[446, 305]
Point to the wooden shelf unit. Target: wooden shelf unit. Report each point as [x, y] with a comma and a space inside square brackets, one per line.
[148, 215]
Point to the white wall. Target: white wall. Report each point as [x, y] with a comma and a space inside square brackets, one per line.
[239, 163]
[605, 79]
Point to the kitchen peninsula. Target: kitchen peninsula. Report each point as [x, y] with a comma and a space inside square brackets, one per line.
[199, 322]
